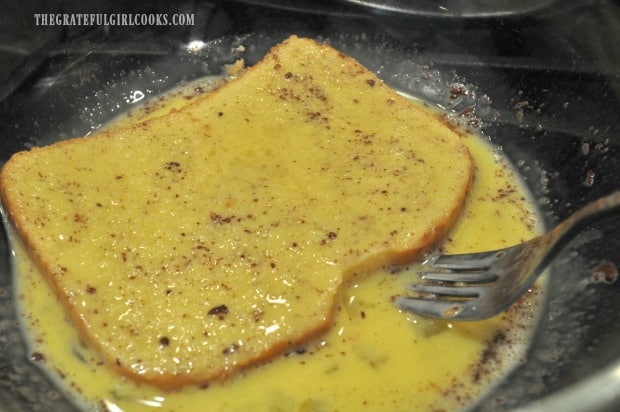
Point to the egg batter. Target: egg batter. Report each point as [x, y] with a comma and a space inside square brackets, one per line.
[374, 357]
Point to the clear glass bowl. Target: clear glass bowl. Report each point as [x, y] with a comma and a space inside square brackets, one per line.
[560, 128]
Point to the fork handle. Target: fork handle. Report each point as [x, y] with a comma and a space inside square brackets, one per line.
[596, 209]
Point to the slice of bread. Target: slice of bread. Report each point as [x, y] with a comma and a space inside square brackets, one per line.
[191, 245]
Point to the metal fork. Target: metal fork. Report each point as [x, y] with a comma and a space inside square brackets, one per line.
[477, 286]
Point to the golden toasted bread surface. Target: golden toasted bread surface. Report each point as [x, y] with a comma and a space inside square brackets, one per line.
[193, 244]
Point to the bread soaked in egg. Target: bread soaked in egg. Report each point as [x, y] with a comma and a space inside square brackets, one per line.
[197, 243]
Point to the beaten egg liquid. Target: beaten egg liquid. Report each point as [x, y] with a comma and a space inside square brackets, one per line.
[374, 358]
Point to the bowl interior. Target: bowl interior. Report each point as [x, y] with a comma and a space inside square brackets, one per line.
[560, 131]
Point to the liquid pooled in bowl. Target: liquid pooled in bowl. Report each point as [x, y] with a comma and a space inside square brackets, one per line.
[373, 357]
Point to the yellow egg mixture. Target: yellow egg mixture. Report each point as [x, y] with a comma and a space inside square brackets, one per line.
[374, 357]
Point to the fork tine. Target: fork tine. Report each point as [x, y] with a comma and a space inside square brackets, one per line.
[447, 291]
[465, 277]
[430, 307]
[466, 261]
